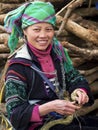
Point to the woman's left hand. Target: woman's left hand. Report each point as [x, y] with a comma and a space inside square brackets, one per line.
[80, 96]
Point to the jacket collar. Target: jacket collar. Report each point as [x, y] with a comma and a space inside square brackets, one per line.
[26, 57]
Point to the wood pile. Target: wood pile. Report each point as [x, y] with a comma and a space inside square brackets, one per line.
[76, 28]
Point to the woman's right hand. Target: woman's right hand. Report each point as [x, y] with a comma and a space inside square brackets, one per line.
[62, 107]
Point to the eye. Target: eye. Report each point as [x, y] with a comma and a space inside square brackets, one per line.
[36, 29]
[49, 29]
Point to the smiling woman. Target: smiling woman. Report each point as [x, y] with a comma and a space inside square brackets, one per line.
[41, 72]
[43, 34]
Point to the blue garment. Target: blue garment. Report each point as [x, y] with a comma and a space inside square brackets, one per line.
[56, 115]
[96, 5]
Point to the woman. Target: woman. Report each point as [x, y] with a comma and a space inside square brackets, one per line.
[30, 100]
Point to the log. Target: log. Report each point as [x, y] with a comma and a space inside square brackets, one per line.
[83, 33]
[77, 61]
[86, 110]
[88, 24]
[88, 72]
[2, 16]
[94, 87]
[4, 56]
[84, 53]
[93, 77]
[4, 38]
[2, 80]
[4, 48]
[85, 12]
[70, 8]
[3, 108]
[2, 29]
[21, 1]
[5, 8]
[12, 1]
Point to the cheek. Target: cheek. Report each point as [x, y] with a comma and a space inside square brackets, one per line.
[51, 35]
[31, 36]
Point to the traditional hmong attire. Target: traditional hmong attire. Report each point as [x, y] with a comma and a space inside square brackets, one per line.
[20, 89]
[25, 88]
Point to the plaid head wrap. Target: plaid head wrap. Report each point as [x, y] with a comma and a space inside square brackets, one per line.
[29, 14]
[26, 15]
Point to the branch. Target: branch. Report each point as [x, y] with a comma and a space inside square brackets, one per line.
[77, 61]
[4, 8]
[70, 8]
[85, 53]
[12, 1]
[3, 48]
[94, 87]
[93, 77]
[2, 16]
[84, 12]
[79, 31]
[4, 56]
[2, 30]
[86, 110]
[4, 38]
[88, 72]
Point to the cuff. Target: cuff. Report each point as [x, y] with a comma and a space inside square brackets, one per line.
[83, 89]
[35, 115]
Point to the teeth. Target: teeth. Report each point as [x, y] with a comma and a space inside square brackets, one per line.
[42, 42]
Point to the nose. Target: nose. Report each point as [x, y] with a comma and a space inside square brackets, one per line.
[43, 33]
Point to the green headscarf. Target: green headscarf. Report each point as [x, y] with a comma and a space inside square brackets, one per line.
[29, 14]
[26, 15]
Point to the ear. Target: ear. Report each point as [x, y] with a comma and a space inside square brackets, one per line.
[24, 32]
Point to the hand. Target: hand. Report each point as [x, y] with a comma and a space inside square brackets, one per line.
[65, 107]
[80, 96]
[62, 107]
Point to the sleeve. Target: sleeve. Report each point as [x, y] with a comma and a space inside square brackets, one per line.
[35, 115]
[18, 109]
[75, 80]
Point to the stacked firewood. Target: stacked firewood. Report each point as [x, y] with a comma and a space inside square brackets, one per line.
[76, 28]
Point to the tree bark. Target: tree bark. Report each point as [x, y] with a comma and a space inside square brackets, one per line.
[89, 72]
[4, 38]
[21, 1]
[5, 8]
[77, 61]
[94, 87]
[12, 1]
[2, 29]
[4, 55]
[70, 8]
[85, 34]
[3, 48]
[86, 110]
[2, 108]
[79, 31]
[84, 12]
[93, 77]
[85, 53]
[2, 16]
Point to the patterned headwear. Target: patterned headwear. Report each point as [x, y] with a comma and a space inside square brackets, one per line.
[26, 15]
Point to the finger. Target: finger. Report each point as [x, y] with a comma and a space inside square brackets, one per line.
[82, 98]
[79, 97]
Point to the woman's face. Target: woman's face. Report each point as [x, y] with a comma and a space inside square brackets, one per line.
[40, 35]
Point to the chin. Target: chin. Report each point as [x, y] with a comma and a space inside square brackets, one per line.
[42, 48]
